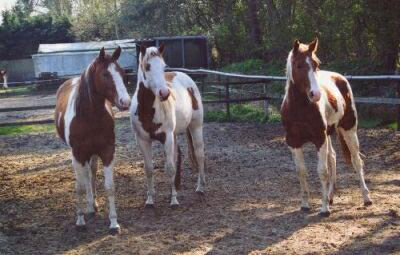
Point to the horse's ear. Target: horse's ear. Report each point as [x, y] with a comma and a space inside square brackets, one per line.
[102, 54]
[143, 48]
[296, 46]
[313, 45]
[161, 48]
[116, 54]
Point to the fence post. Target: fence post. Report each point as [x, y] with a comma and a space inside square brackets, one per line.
[398, 106]
[228, 110]
[266, 105]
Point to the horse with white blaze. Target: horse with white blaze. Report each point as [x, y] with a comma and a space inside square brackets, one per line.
[164, 105]
[85, 122]
[316, 104]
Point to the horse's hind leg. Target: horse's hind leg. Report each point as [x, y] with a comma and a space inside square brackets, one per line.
[350, 136]
[197, 145]
[298, 158]
[81, 179]
[145, 148]
[332, 170]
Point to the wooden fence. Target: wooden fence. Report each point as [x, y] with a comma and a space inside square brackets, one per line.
[224, 83]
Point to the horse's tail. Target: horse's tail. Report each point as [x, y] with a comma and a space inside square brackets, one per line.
[178, 168]
[192, 156]
[345, 148]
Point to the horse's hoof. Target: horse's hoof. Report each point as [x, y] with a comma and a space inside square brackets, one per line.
[367, 203]
[81, 228]
[175, 206]
[325, 214]
[149, 206]
[305, 209]
[115, 231]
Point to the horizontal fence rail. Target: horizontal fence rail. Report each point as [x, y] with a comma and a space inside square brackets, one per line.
[224, 85]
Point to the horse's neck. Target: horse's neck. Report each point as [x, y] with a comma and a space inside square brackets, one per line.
[297, 98]
[89, 104]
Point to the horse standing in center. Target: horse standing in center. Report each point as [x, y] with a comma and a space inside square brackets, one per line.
[164, 105]
[315, 104]
[85, 122]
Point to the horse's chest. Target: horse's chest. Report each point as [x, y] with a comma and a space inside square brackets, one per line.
[91, 133]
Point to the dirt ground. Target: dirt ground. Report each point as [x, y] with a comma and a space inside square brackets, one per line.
[251, 207]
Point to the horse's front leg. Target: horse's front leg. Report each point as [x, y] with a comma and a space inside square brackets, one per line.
[145, 148]
[298, 157]
[170, 166]
[81, 179]
[324, 176]
[107, 158]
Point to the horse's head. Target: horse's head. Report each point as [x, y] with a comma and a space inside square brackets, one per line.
[302, 65]
[108, 79]
[3, 75]
[153, 66]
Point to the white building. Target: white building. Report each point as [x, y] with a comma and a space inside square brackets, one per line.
[70, 59]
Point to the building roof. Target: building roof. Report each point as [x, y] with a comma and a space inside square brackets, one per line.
[85, 46]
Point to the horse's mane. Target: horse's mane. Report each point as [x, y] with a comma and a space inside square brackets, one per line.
[85, 90]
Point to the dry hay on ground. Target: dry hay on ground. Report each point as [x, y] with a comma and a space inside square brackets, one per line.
[251, 207]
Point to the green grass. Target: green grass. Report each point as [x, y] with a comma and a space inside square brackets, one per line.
[240, 113]
[16, 90]
[368, 123]
[27, 129]
[393, 126]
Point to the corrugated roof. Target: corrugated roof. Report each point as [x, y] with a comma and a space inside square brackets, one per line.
[85, 46]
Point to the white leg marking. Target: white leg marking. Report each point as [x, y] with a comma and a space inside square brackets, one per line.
[301, 169]
[110, 191]
[198, 144]
[324, 175]
[351, 139]
[332, 170]
[80, 184]
[170, 165]
[145, 148]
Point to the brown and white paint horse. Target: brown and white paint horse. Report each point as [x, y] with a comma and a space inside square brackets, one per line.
[4, 76]
[85, 122]
[315, 104]
[164, 105]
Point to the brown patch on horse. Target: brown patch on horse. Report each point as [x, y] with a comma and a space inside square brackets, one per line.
[345, 149]
[148, 66]
[302, 120]
[146, 113]
[349, 118]
[169, 76]
[332, 99]
[192, 156]
[195, 104]
[178, 166]
[61, 106]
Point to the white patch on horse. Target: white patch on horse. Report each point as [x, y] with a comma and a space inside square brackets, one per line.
[70, 111]
[314, 87]
[289, 73]
[123, 96]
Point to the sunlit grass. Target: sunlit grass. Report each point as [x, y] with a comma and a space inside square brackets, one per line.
[27, 129]
[16, 90]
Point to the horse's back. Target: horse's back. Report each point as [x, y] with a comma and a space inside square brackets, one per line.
[189, 108]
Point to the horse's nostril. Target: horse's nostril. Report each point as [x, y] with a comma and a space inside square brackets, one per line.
[312, 94]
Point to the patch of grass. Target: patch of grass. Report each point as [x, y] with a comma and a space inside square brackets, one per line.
[27, 129]
[368, 123]
[16, 90]
[393, 126]
[210, 97]
[241, 113]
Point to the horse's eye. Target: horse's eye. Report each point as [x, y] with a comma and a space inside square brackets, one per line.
[299, 66]
[105, 75]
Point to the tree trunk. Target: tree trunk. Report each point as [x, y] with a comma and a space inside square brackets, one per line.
[255, 31]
